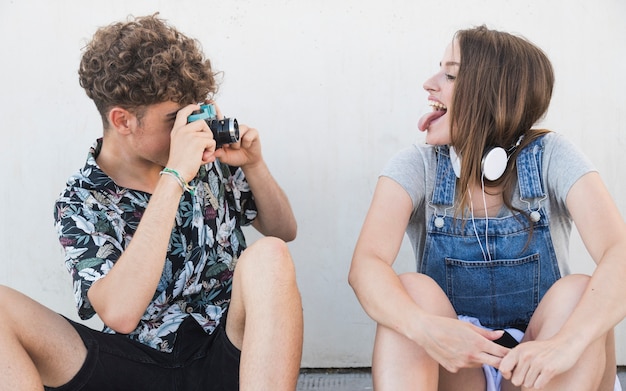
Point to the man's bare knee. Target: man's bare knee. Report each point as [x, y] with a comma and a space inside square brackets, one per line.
[5, 292]
[9, 299]
[268, 256]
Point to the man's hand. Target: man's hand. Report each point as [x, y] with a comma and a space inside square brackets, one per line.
[246, 152]
[191, 144]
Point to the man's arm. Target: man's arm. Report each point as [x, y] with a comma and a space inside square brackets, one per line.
[122, 296]
[275, 216]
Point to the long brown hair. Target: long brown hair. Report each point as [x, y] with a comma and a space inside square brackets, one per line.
[503, 87]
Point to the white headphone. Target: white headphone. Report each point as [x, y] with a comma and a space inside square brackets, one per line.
[492, 166]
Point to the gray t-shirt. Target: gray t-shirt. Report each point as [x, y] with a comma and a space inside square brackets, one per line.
[414, 168]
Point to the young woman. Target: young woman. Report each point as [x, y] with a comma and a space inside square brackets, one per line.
[488, 205]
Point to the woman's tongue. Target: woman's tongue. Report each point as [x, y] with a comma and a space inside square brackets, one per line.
[429, 117]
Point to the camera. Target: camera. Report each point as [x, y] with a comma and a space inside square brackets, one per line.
[225, 131]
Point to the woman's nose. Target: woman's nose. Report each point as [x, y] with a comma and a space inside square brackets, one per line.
[431, 84]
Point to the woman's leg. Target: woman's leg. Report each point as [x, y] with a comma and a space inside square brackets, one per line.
[610, 372]
[400, 364]
[554, 309]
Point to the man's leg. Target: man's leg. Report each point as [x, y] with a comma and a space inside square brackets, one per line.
[265, 317]
[37, 345]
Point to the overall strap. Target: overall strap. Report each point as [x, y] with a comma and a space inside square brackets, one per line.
[529, 163]
[445, 182]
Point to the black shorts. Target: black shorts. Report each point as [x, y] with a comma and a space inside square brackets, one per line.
[199, 361]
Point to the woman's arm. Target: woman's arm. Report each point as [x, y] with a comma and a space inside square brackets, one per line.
[602, 303]
[452, 343]
[603, 231]
[376, 250]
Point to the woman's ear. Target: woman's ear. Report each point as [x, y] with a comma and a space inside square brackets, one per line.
[121, 120]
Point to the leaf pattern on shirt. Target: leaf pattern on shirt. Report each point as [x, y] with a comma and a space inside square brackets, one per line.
[96, 220]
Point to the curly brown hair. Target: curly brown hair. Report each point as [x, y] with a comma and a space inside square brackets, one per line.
[141, 62]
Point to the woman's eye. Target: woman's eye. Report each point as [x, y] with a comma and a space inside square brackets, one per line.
[450, 77]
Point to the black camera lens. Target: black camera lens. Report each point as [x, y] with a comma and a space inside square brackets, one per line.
[225, 131]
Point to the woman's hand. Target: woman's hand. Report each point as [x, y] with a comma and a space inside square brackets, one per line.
[534, 364]
[456, 344]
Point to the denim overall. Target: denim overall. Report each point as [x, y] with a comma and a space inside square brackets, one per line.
[501, 280]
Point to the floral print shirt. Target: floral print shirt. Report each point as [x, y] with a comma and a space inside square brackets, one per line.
[96, 220]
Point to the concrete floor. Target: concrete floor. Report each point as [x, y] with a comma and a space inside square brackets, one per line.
[352, 379]
[357, 379]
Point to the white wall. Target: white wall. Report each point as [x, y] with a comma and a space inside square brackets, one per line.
[334, 88]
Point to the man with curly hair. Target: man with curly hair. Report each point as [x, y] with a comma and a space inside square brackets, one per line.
[151, 231]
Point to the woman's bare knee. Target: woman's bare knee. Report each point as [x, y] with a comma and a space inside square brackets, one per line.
[427, 294]
[569, 288]
[556, 306]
